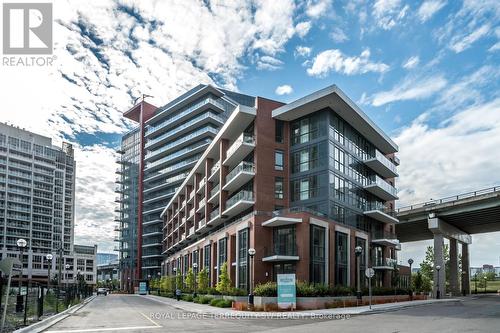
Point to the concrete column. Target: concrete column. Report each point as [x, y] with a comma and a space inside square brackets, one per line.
[465, 269]
[454, 273]
[439, 283]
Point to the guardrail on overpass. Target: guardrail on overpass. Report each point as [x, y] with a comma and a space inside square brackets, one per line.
[449, 199]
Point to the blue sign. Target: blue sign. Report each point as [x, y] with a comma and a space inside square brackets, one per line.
[143, 288]
[286, 291]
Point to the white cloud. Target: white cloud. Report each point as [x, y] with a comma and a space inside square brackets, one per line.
[410, 89]
[302, 51]
[110, 52]
[334, 60]
[318, 8]
[269, 63]
[338, 35]
[471, 23]
[461, 43]
[429, 8]
[388, 13]
[303, 28]
[284, 90]
[412, 62]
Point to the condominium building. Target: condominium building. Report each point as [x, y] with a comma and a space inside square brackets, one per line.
[303, 184]
[37, 200]
[155, 158]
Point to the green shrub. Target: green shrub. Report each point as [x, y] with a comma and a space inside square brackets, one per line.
[268, 289]
[340, 291]
[205, 299]
[236, 292]
[212, 291]
[187, 298]
[224, 283]
[221, 303]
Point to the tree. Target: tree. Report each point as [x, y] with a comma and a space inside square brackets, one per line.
[179, 283]
[427, 266]
[224, 283]
[202, 279]
[190, 280]
[417, 281]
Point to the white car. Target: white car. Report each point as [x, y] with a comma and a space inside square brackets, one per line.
[102, 291]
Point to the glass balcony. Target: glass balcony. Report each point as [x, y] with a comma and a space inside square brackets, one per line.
[187, 112]
[382, 189]
[280, 252]
[384, 238]
[384, 263]
[201, 205]
[214, 171]
[240, 148]
[201, 184]
[213, 194]
[381, 213]
[239, 176]
[382, 165]
[184, 128]
[238, 203]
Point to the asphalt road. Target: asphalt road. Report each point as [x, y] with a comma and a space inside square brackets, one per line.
[130, 313]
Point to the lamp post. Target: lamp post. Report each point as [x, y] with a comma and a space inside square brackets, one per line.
[149, 282]
[464, 292]
[21, 244]
[66, 268]
[485, 282]
[177, 292]
[438, 292]
[49, 261]
[410, 262]
[78, 291]
[195, 269]
[358, 250]
[251, 253]
[475, 283]
[159, 282]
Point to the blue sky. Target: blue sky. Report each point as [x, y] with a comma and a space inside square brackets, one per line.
[427, 72]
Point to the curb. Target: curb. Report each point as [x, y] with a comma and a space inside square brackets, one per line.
[52, 320]
[297, 314]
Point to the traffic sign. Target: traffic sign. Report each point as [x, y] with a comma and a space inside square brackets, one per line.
[369, 272]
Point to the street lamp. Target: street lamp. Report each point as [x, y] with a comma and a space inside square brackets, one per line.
[49, 261]
[66, 268]
[78, 291]
[358, 250]
[464, 292]
[21, 244]
[438, 292]
[195, 269]
[475, 283]
[410, 262]
[159, 282]
[177, 293]
[149, 282]
[485, 282]
[251, 253]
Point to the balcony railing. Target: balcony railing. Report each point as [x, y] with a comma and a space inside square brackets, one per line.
[241, 195]
[214, 213]
[384, 262]
[383, 235]
[391, 192]
[382, 165]
[184, 113]
[243, 138]
[215, 168]
[214, 190]
[243, 166]
[281, 250]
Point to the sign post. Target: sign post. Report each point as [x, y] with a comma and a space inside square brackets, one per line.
[9, 266]
[370, 272]
[143, 288]
[286, 291]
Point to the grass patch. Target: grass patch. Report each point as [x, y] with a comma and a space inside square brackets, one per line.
[221, 303]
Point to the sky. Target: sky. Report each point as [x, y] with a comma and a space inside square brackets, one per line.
[427, 72]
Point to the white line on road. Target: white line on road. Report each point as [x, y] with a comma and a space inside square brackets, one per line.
[151, 320]
[107, 329]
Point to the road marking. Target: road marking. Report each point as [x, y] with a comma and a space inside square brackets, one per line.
[151, 320]
[105, 329]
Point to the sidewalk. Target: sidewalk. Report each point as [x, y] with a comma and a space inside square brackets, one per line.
[204, 309]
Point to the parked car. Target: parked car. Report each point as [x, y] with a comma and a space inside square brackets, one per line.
[102, 291]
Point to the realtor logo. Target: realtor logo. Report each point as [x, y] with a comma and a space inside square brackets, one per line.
[27, 28]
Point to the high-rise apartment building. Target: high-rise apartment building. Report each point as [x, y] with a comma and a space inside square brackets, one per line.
[37, 202]
[303, 184]
[155, 158]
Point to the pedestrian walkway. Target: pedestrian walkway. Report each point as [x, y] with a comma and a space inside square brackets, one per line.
[351, 311]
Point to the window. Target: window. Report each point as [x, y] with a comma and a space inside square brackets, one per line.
[278, 187]
[341, 258]
[305, 130]
[279, 131]
[305, 188]
[279, 160]
[243, 259]
[195, 260]
[283, 268]
[222, 253]
[284, 241]
[318, 259]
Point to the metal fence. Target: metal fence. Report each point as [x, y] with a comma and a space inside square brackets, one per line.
[29, 304]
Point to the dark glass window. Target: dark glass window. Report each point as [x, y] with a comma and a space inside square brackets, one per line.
[305, 130]
[341, 258]
[279, 160]
[279, 130]
[284, 241]
[318, 259]
[283, 268]
[206, 259]
[305, 188]
[222, 252]
[243, 259]
[278, 187]
[195, 260]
